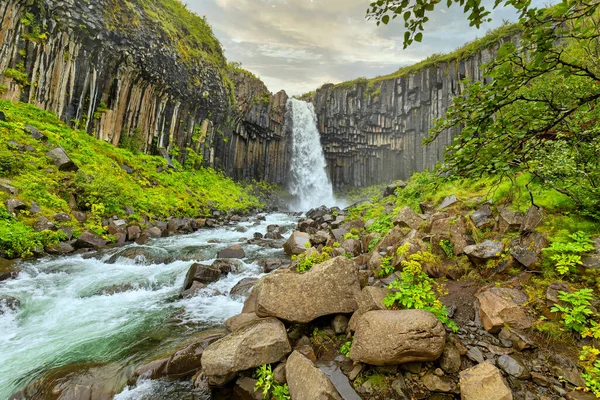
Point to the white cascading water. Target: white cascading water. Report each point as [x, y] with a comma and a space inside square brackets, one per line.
[309, 183]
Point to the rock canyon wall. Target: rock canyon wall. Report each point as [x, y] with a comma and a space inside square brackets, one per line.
[372, 130]
[114, 69]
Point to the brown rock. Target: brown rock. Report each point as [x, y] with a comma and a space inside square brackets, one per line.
[395, 337]
[306, 382]
[532, 219]
[234, 251]
[408, 218]
[244, 390]
[238, 321]
[262, 342]
[90, 240]
[328, 288]
[296, 243]
[483, 382]
[499, 307]
[201, 273]
[369, 299]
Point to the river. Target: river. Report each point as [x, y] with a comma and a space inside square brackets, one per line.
[77, 310]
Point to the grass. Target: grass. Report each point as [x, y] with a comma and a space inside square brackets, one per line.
[101, 187]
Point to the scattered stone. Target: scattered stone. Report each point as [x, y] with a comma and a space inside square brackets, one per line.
[328, 288]
[62, 160]
[304, 347]
[483, 382]
[238, 321]
[43, 224]
[90, 240]
[244, 390]
[154, 232]
[60, 248]
[35, 208]
[279, 373]
[320, 238]
[370, 299]
[142, 255]
[201, 273]
[62, 217]
[307, 382]
[388, 337]
[483, 217]
[513, 367]
[532, 219]
[133, 232]
[519, 340]
[339, 324]
[243, 287]
[127, 169]
[450, 359]
[193, 290]
[34, 133]
[480, 253]
[262, 342]
[476, 355]
[14, 205]
[270, 264]
[441, 384]
[592, 259]
[117, 226]
[296, 244]
[6, 188]
[500, 307]
[408, 218]
[448, 201]
[509, 221]
[234, 251]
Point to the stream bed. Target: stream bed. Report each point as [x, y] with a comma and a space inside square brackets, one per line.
[81, 310]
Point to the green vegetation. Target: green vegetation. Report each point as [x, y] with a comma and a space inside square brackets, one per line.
[17, 75]
[100, 186]
[270, 389]
[345, 348]
[310, 258]
[414, 290]
[567, 255]
[386, 267]
[576, 312]
[590, 359]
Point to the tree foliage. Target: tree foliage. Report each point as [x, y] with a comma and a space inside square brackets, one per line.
[537, 110]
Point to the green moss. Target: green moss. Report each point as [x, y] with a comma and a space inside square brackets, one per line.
[18, 76]
[100, 185]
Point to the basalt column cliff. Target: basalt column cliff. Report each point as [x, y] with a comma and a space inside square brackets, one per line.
[372, 130]
[123, 72]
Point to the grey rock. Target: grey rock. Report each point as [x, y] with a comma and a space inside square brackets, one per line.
[62, 160]
[513, 367]
[482, 252]
[243, 287]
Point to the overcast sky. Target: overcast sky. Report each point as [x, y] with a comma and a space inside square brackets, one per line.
[298, 45]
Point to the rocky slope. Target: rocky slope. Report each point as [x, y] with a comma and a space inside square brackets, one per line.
[372, 130]
[148, 75]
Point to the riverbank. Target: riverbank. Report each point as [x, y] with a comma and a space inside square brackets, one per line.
[57, 183]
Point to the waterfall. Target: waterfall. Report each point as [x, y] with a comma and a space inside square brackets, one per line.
[309, 183]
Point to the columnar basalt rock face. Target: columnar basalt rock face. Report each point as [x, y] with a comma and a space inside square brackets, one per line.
[373, 133]
[134, 86]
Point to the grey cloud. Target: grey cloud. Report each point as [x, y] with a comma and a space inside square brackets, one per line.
[298, 45]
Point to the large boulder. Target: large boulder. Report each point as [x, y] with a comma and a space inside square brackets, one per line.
[499, 307]
[234, 251]
[389, 337]
[483, 382]
[307, 382]
[262, 342]
[296, 244]
[62, 160]
[369, 299]
[243, 287]
[328, 288]
[480, 253]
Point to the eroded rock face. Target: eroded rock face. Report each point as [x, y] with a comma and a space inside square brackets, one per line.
[262, 342]
[499, 307]
[328, 288]
[307, 382]
[483, 382]
[389, 337]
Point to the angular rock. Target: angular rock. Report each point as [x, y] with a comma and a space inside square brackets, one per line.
[60, 248]
[306, 381]
[8, 189]
[201, 273]
[532, 219]
[243, 287]
[89, 240]
[320, 238]
[234, 251]
[43, 224]
[296, 244]
[154, 232]
[62, 160]
[592, 260]
[441, 384]
[270, 264]
[244, 390]
[395, 337]
[62, 217]
[237, 321]
[117, 226]
[408, 218]
[509, 221]
[480, 253]
[483, 382]
[35, 133]
[499, 307]
[14, 205]
[448, 201]
[450, 359]
[35, 208]
[483, 217]
[262, 342]
[328, 288]
[227, 265]
[133, 232]
[193, 290]
[513, 367]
